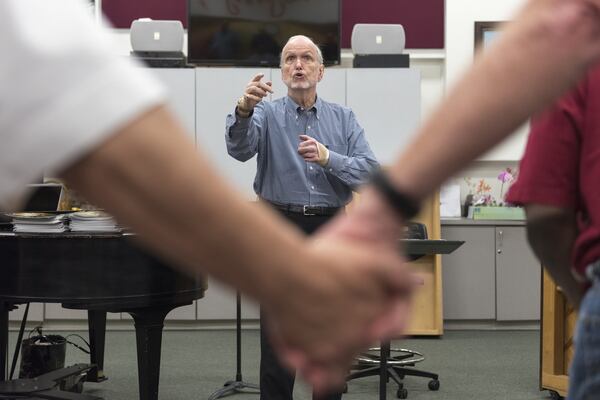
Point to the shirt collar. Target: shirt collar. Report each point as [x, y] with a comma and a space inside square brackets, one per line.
[295, 108]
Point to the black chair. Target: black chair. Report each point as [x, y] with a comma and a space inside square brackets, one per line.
[395, 364]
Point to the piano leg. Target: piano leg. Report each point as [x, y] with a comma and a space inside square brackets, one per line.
[149, 324]
[97, 331]
[4, 309]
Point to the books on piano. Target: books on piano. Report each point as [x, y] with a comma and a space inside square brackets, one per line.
[92, 221]
[33, 222]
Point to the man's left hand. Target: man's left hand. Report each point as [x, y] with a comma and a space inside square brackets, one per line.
[313, 151]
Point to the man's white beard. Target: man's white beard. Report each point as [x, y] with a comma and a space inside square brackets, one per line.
[299, 85]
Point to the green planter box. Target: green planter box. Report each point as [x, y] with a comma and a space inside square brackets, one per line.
[498, 213]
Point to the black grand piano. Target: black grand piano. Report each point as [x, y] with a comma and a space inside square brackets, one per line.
[103, 273]
[100, 273]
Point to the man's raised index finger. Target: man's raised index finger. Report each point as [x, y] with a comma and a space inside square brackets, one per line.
[266, 86]
[258, 77]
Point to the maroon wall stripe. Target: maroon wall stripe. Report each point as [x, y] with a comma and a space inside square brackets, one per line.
[122, 12]
[423, 20]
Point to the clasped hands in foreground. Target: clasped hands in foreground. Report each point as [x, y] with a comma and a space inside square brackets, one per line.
[352, 290]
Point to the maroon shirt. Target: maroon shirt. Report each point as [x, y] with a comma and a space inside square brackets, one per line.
[561, 165]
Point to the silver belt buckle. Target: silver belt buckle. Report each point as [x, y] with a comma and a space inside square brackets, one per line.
[304, 208]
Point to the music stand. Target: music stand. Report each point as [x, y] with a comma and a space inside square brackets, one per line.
[238, 385]
[424, 247]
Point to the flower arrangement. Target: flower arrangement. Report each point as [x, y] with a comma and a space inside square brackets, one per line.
[506, 176]
[480, 191]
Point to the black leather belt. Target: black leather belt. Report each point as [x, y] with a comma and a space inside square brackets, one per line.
[306, 210]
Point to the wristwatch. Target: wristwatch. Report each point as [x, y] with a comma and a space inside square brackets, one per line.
[405, 206]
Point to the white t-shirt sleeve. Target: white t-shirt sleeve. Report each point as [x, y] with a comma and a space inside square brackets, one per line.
[62, 90]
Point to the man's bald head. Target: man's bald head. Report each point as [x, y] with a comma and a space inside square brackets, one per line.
[301, 39]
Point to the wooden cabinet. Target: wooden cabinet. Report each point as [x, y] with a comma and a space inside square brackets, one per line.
[427, 306]
[557, 330]
[493, 276]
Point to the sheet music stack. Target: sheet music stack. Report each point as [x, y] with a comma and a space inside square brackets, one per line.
[33, 222]
[93, 221]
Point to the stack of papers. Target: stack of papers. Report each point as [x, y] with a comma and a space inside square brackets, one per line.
[32, 222]
[93, 221]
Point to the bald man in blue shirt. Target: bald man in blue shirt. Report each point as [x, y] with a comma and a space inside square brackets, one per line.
[311, 155]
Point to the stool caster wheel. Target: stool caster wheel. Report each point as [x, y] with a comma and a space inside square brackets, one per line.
[433, 384]
[345, 388]
[555, 396]
[402, 393]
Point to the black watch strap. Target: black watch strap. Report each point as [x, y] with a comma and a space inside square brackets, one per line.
[405, 206]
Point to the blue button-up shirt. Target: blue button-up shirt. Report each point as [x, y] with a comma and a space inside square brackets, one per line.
[283, 176]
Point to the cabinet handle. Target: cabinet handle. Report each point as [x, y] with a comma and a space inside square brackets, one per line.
[500, 237]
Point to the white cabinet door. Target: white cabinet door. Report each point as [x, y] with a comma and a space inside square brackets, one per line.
[493, 275]
[219, 304]
[36, 313]
[181, 87]
[387, 103]
[217, 91]
[469, 274]
[54, 311]
[518, 276]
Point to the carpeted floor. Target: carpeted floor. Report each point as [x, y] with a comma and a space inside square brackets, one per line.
[471, 364]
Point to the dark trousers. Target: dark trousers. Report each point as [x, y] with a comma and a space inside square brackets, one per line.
[277, 382]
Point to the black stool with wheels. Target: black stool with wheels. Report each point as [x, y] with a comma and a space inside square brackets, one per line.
[392, 364]
[395, 364]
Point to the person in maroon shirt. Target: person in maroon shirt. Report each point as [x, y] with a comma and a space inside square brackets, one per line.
[559, 185]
